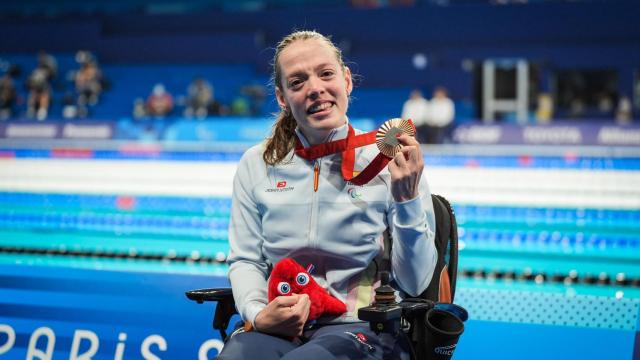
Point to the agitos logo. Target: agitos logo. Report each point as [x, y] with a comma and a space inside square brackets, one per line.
[354, 193]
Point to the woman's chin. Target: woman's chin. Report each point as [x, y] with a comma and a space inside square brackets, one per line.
[327, 122]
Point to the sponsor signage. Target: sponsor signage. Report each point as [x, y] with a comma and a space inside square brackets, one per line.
[250, 130]
[67, 313]
[58, 130]
[553, 134]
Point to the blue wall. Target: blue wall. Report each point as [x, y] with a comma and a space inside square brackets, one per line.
[381, 42]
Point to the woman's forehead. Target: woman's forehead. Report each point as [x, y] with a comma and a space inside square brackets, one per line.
[304, 53]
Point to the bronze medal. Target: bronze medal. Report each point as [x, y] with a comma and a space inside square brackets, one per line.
[386, 137]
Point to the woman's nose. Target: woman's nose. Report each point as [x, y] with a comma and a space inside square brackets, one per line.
[315, 88]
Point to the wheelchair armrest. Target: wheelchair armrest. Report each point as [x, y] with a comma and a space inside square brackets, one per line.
[225, 308]
[217, 294]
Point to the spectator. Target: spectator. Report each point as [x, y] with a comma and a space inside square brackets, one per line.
[623, 111]
[8, 96]
[240, 107]
[605, 105]
[577, 108]
[257, 95]
[88, 81]
[139, 110]
[160, 102]
[39, 94]
[49, 64]
[84, 56]
[416, 109]
[440, 118]
[199, 98]
[544, 111]
[216, 108]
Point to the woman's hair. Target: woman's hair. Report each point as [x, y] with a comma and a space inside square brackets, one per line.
[282, 140]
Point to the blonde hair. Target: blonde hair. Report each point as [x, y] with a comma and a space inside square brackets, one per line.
[282, 140]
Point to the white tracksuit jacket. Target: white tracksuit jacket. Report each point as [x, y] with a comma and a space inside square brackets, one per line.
[276, 213]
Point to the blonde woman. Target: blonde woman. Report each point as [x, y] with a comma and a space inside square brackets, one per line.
[287, 204]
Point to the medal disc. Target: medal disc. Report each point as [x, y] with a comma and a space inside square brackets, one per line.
[386, 138]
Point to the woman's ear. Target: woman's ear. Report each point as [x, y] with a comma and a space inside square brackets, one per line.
[280, 98]
[348, 79]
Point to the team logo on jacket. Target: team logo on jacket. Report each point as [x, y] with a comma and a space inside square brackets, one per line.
[354, 193]
[362, 339]
[281, 186]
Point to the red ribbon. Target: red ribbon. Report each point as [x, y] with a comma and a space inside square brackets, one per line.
[348, 147]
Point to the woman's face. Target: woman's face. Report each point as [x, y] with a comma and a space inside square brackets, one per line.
[314, 86]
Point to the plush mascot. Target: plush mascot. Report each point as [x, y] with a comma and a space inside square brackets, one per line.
[288, 277]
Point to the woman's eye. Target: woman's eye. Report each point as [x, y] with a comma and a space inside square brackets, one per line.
[327, 73]
[284, 288]
[295, 83]
[302, 279]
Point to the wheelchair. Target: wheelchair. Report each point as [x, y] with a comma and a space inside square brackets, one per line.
[431, 321]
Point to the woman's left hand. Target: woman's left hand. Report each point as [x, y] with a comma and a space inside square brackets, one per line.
[406, 169]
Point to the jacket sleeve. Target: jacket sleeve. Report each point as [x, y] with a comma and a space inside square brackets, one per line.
[248, 269]
[413, 254]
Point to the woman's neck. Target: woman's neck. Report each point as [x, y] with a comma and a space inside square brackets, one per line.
[315, 137]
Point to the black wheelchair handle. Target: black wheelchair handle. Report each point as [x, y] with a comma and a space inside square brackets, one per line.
[216, 294]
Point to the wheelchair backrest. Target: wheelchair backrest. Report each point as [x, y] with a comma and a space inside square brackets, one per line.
[442, 287]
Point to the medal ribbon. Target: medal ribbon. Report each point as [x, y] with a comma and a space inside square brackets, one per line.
[347, 147]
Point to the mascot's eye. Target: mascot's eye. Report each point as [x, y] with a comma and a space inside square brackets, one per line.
[284, 288]
[302, 279]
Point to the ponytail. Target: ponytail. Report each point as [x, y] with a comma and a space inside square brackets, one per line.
[282, 141]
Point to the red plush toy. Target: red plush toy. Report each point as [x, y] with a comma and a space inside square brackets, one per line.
[288, 277]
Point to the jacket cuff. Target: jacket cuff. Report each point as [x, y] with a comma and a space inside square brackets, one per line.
[251, 311]
[409, 213]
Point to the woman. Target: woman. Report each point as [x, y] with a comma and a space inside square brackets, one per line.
[287, 206]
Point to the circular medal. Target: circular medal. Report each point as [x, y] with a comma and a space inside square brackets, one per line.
[386, 138]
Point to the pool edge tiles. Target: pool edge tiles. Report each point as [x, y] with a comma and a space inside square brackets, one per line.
[529, 307]
[113, 265]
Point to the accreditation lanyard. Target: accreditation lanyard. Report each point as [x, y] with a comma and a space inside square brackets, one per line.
[347, 147]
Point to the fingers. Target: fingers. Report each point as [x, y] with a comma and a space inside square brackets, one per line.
[400, 160]
[302, 302]
[409, 156]
[411, 147]
[405, 169]
[407, 140]
[294, 306]
[300, 312]
[286, 301]
[297, 314]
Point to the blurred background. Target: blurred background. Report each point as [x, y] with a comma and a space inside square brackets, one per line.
[121, 123]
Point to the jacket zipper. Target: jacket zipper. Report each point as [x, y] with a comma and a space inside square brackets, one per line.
[316, 176]
[313, 223]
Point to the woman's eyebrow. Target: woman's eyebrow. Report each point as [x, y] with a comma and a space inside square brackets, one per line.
[325, 65]
[296, 74]
[302, 72]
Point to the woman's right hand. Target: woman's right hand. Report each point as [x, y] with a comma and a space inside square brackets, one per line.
[284, 315]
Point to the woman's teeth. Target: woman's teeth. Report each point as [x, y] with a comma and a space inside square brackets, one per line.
[320, 107]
